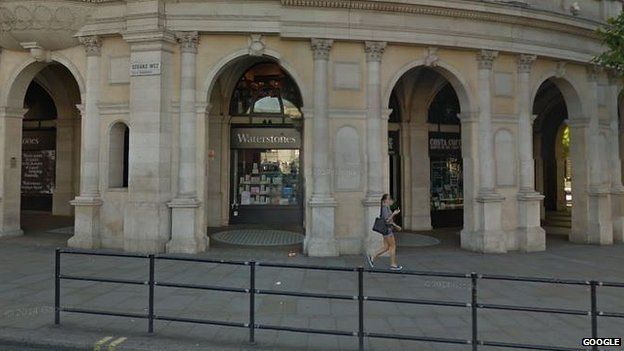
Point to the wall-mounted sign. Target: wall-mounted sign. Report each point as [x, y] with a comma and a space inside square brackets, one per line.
[145, 69]
[265, 138]
[444, 143]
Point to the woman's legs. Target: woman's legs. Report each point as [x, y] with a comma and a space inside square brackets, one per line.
[384, 249]
[392, 249]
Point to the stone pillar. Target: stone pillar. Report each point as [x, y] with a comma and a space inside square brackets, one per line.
[87, 204]
[147, 219]
[420, 184]
[489, 236]
[617, 190]
[10, 170]
[591, 209]
[63, 187]
[185, 237]
[321, 240]
[531, 236]
[375, 149]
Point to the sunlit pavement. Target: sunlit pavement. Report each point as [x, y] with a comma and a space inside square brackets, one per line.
[26, 298]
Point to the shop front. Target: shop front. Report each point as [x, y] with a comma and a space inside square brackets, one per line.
[266, 176]
[447, 198]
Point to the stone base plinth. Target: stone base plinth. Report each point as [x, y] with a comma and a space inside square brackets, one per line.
[321, 240]
[599, 222]
[531, 236]
[86, 223]
[146, 227]
[617, 212]
[8, 233]
[489, 236]
[185, 237]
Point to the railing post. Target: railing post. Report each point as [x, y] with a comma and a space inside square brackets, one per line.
[474, 307]
[252, 302]
[57, 287]
[594, 311]
[150, 307]
[360, 272]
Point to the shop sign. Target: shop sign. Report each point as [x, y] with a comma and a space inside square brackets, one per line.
[265, 138]
[440, 142]
[145, 69]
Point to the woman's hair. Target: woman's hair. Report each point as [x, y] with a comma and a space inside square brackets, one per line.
[384, 197]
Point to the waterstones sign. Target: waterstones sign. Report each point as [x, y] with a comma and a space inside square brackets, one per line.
[144, 69]
[265, 138]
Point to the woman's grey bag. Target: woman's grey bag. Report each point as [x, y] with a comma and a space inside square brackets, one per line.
[380, 225]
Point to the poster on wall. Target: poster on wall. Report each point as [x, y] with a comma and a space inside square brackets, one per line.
[38, 162]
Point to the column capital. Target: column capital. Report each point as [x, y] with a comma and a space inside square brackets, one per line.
[525, 63]
[592, 72]
[188, 41]
[321, 48]
[374, 50]
[485, 59]
[92, 45]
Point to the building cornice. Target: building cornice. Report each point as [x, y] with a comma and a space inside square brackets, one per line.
[515, 16]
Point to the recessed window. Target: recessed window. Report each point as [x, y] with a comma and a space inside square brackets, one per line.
[118, 156]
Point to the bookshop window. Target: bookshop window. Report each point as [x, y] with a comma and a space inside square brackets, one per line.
[267, 177]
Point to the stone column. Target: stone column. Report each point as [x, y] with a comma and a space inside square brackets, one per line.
[531, 236]
[87, 204]
[63, 187]
[185, 237]
[321, 240]
[375, 149]
[10, 169]
[420, 185]
[617, 189]
[147, 218]
[591, 209]
[488, 236]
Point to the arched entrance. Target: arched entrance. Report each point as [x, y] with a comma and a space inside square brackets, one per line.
[552, 157]
[41, 142]
[425, 150]
[255, 146]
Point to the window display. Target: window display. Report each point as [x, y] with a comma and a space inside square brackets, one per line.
[446, 171]
[267, 177]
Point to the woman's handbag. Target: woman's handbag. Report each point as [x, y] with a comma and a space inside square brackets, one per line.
[380, 225]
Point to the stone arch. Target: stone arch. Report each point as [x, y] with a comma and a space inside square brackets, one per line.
[565, 85]
[452, 75]
[14, 88]
[225, 62]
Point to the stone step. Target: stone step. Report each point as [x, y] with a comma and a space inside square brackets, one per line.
[557, 230]
[558, 223]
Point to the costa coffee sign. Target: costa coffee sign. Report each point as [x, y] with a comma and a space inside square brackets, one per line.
[265, 138]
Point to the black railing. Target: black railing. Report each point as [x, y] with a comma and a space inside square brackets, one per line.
[361, 333]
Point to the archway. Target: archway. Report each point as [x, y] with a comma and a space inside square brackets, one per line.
[255, 145]
[43, 172]
[552, 157]
[425, 149]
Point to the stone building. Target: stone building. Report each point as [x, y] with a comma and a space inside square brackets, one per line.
[152, 120]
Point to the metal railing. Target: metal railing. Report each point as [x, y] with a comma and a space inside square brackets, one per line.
[361, 333]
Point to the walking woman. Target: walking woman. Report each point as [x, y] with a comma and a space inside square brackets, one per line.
[388, 239]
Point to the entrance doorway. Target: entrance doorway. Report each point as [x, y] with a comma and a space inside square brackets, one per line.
[425, 150]
[552, 154]
[266, 181]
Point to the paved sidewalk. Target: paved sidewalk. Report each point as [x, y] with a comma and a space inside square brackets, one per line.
[26, 298]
